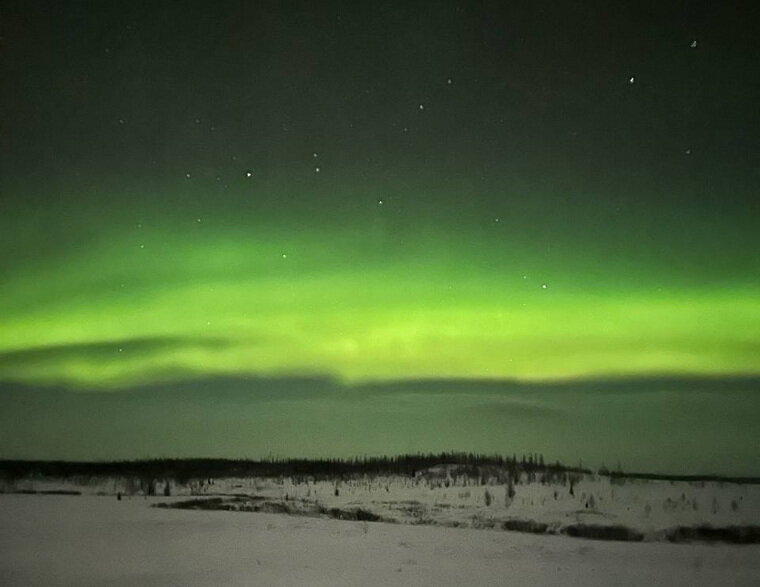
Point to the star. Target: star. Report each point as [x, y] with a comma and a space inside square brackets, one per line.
[632, 80]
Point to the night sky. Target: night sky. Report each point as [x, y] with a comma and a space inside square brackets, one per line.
[337, 228]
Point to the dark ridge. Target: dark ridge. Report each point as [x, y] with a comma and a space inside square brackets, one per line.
[618, 475]
[529, 526]
[730, 534]
[260, 504]
[356, 514]
[46, 492]
[206, 503]
[184, 469]
[599, 532]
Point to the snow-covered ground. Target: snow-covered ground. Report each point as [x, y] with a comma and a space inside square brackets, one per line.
[86, 540]
[441, 497]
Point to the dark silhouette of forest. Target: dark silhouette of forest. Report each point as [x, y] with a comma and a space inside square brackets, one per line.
[459, 463]
[470, 464]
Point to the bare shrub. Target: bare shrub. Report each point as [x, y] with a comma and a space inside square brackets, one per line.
[511, 488]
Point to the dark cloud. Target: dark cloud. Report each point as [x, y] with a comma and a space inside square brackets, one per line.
[249, 389]
[639, 384]
[302, 387]
[105, 349]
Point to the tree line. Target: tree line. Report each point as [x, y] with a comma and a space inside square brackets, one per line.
[471, 464]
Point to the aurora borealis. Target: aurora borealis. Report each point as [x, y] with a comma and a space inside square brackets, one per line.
[365, 195]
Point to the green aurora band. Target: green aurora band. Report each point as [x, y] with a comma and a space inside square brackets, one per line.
[145, 297]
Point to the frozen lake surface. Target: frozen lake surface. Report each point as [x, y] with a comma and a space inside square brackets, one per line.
[87, 540]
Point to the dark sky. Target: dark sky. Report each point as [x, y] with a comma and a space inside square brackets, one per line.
[387, 191]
